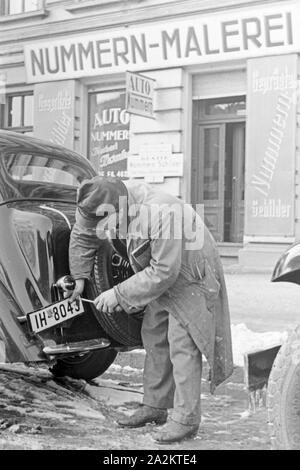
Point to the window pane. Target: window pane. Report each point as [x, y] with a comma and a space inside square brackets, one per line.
[31, 5]
[20, 6]
[41, 168]
[234, 106]
[14, 7]
[211, 163]
[28, 110]
[15, 111]
[109, 133]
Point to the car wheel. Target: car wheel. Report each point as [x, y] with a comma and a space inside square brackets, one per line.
[110, 269]
[86, 366]
[283, 398]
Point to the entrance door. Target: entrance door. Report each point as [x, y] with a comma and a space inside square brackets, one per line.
[238, 182]
[219, 178]
[218, 164]
[234, 182]
[212, 150]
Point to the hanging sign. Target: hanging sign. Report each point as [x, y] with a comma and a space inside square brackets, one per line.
[139, 95]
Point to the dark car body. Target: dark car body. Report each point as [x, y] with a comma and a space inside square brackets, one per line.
[287, 268]
[259, 363]
[38, 186]
[273, 374]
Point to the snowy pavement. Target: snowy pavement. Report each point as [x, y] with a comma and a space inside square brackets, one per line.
[262, 305]
[262, 314]
[38, 412]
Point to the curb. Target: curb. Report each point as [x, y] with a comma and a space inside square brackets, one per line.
[237, 269]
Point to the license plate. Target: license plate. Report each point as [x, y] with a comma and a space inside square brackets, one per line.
[54, 315]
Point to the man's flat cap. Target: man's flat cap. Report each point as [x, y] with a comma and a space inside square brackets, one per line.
[98, 191]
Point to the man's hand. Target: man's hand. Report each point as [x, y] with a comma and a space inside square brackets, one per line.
[78, 290]
[107, 302]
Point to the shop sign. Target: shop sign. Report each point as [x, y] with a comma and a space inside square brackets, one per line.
[139, 95]
[271, 146]
[109, 133]
[155, 162]
[54, 109]
[268, 30]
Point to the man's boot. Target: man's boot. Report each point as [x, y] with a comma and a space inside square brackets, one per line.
[174, 432]
[145, 414]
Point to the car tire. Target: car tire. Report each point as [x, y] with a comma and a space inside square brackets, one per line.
[86, 366]
[110, 269]
[283, 397]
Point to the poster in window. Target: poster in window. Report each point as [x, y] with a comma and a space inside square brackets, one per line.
[109, 133]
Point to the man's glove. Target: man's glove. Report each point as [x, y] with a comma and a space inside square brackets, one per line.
[107, 302]
[78, 290]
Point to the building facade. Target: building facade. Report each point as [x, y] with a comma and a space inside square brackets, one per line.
[225, 102]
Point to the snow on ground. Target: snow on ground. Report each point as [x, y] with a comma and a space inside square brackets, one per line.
[38, 411]
[245, 340]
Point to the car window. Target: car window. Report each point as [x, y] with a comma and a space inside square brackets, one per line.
[24, 167]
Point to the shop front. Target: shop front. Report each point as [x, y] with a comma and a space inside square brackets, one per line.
[225, 101]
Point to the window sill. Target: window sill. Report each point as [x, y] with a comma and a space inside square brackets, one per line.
[92, 4]
[38, 14]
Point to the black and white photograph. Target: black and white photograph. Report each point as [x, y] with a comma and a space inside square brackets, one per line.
[149, 228]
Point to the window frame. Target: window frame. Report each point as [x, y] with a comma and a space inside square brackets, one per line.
[3, 7]
[5, 4]
[5, 124]
[202, 116]
[114, 88]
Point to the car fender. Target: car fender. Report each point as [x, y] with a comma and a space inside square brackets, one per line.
[16, 342]
[287, 268]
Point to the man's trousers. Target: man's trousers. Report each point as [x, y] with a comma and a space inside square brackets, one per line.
[173, 367]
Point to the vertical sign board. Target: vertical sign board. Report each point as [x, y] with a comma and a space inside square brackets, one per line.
[271, 134]
[54, 109]
[109, 133]
[140, 94]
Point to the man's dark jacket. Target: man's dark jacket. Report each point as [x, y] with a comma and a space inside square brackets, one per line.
[170, 273]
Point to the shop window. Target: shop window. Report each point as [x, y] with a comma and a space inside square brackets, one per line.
[109, 133]
[19, 113]
[16, 7]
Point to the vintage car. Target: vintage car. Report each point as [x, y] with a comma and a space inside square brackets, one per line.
[278, 368]
[38, 186]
